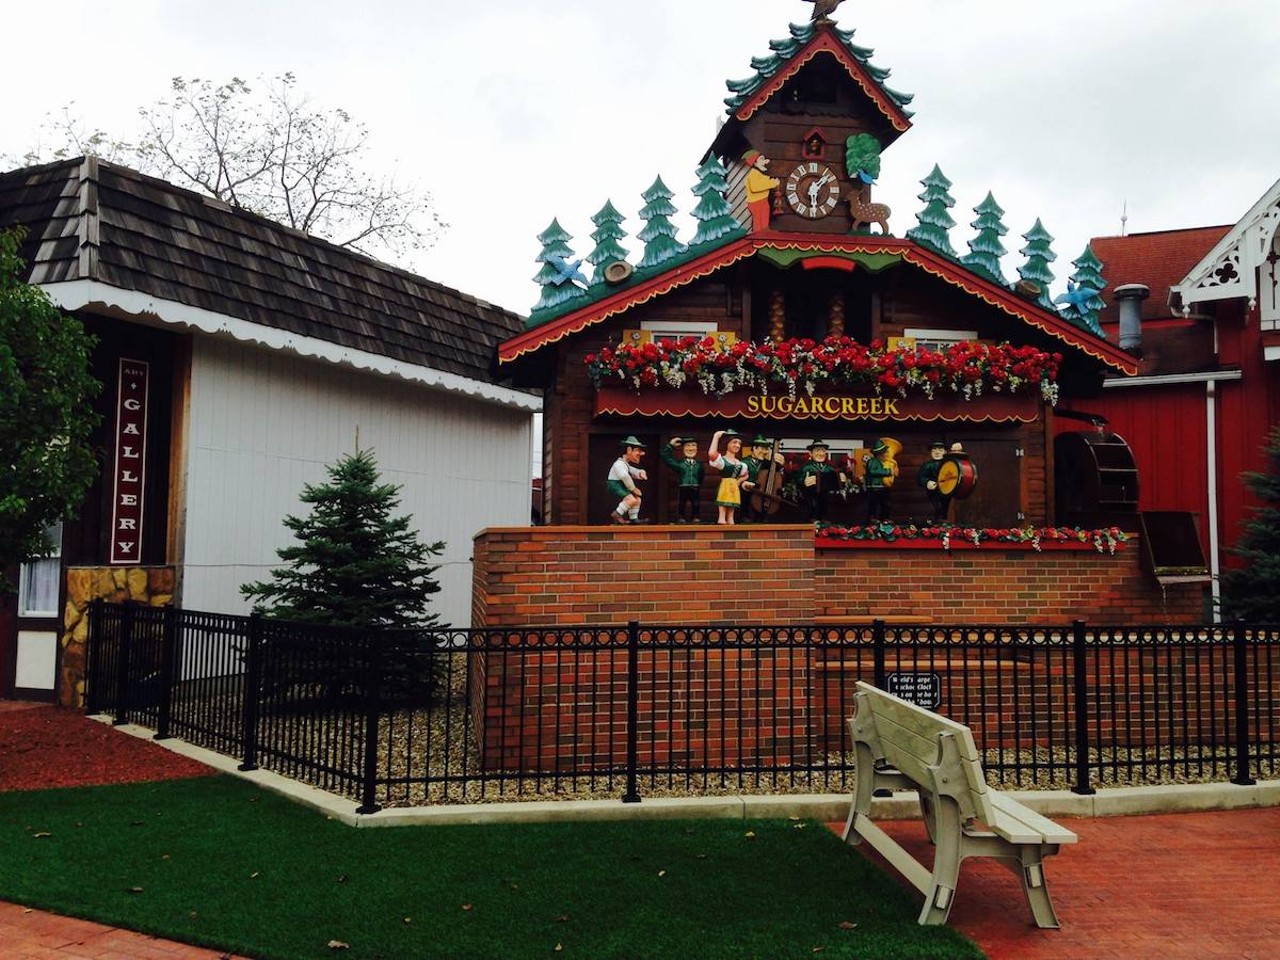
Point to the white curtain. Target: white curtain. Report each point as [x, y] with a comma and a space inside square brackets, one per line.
[39, 579]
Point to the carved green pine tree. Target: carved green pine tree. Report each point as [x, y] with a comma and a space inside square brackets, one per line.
[933, 222]
[1254, 591]
[1083, 298]
[659, 234]
[713, 213]
[557, 289]
[606, 236]
[985, 249]
[1039, 256]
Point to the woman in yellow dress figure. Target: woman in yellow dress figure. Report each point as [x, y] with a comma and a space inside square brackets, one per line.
[733, 474]
[759, 186]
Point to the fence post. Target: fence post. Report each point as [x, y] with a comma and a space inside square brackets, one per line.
[168, 659]
[93, 682]
[372, 716]
[252, 692]
[122, 665]
[1240, 651]
[877, 653]
[1080, 679]
[633, 711]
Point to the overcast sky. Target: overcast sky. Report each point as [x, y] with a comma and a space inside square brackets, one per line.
[513, 113]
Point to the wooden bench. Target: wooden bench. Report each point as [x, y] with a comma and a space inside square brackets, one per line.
[901, 746]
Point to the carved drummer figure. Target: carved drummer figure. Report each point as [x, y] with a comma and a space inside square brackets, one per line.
[817, 479]
[927, 479]
[622, 482]
[689, 471]
[878, 480]
[733, 473]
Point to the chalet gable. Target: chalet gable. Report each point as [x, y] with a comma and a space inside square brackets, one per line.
[802, 74]
[1243, 264]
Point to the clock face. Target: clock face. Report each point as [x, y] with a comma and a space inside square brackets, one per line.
[812, 190]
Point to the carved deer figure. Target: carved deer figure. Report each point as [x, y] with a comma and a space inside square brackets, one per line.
[864, 214]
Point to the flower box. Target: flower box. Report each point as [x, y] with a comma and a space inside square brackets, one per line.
[888, 536]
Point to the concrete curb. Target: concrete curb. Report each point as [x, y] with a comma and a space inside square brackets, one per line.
[825, 807]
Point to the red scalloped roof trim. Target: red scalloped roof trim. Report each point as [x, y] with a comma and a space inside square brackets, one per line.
[824, 42]
[571, 323]
[932, 263]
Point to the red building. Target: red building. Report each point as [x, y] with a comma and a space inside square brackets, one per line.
[1204, 319]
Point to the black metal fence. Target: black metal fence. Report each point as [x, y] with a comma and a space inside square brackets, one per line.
[452, 716]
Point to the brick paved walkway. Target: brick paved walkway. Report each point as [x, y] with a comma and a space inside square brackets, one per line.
[32, 935]
[1162, 887]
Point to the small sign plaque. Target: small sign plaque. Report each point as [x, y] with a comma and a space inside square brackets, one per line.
[922, 689]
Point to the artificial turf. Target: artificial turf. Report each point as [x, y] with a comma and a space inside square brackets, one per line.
[217, 862]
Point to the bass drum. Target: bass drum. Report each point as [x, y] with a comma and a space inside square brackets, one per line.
[957, 476]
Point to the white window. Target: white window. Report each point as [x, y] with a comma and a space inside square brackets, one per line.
[38, 580]
[675, 329]
[939, 339]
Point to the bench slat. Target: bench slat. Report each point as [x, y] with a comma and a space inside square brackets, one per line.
[920, 722]
[1018, 823]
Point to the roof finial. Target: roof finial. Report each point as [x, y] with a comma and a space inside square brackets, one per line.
[822, 9]
[1124, 218]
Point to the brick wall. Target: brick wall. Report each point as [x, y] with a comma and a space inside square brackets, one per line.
[533, 576]
[559, 709]
[994, 585]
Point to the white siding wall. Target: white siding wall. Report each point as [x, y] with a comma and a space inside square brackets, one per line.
[262, 424]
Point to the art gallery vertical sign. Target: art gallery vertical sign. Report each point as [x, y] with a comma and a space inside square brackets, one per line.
[130, 463]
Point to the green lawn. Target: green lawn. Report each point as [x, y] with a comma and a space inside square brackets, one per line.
[215, 861]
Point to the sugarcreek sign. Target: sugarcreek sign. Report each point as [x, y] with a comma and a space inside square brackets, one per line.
[828, 408]
[990, 408]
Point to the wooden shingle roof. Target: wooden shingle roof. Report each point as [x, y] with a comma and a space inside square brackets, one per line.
[91, 220]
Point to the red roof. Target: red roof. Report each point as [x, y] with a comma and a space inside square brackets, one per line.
[1160, 260]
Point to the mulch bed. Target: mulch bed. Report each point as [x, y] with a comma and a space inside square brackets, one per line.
[45, 746]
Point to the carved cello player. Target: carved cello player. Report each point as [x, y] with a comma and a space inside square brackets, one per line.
[765, 473]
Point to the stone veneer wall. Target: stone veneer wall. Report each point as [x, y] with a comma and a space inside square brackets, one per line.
[153, 586]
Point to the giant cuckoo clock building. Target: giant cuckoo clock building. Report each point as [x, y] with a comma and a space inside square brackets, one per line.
[817, 323]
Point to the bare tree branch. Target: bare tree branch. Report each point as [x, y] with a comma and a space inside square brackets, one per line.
[270, 152]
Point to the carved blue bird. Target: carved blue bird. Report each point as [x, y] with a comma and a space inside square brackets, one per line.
[822, 9]
[1077, 297]
[566, 271]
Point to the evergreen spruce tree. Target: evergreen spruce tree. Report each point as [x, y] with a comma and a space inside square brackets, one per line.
[1083, 298]
[933, 222]
[1039, 256]
[985, 249]
[355, 564]
[557, 288]
[659, 234]
[713, 213]
[1253, 593]
[607, 235]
